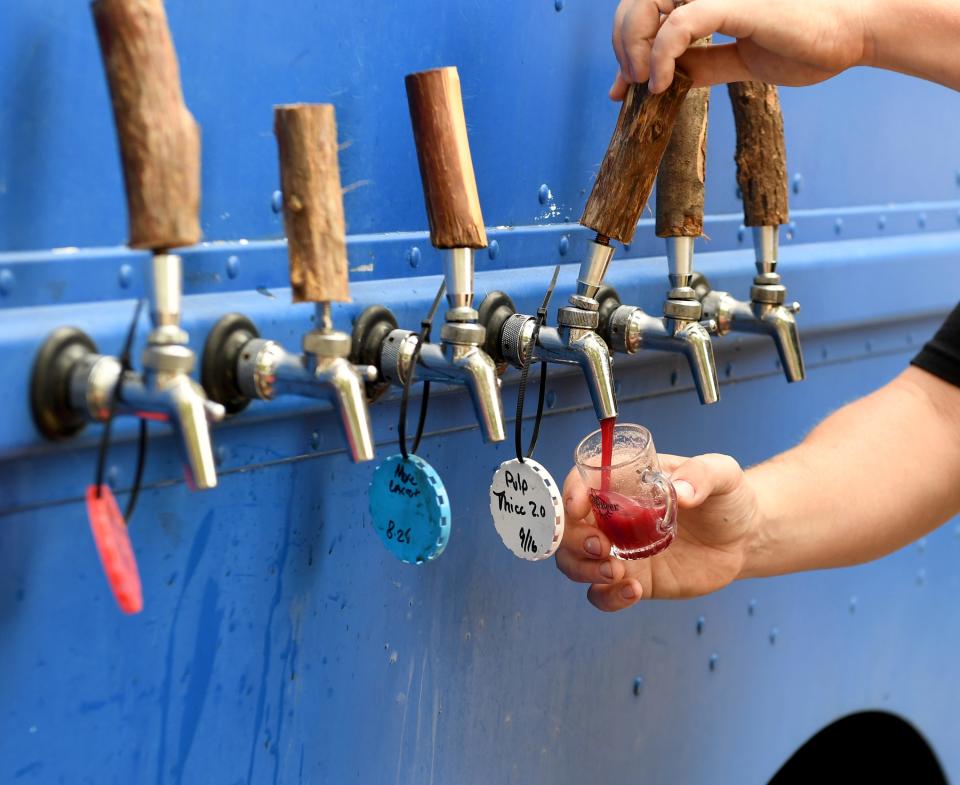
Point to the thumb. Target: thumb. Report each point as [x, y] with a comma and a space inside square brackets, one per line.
[711, 65]
[697, 479]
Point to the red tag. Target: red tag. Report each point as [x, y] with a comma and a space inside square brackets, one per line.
[113, 544]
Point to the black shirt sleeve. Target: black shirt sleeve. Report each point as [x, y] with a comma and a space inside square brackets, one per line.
[941, 355]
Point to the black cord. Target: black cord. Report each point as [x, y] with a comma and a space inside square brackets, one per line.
[525, 372]
[125, 367]
[425, 327]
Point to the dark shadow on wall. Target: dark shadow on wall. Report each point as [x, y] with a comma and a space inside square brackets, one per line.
[869, 747]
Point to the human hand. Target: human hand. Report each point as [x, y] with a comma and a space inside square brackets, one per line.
[778, 41]
[718, 515]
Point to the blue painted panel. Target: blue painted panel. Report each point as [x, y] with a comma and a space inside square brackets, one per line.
[280, 641]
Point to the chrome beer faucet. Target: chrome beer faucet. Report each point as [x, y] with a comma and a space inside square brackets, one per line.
[573, 342]
[239, 365]
[456, 227]
[762, 176]
[73, 383]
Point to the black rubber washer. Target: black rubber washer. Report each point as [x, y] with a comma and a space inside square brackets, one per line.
[218, 368]
[495, 309]
[53, 415]
[370, 330]
[609, 302]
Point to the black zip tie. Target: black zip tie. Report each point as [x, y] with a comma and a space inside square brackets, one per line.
[425, 327]
[125, 366]
[525, 372]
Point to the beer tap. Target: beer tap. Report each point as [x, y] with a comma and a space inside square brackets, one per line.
[239, 365]
[619, 194]
[762, 177]
[456, 227]
[680, 191]
[160, 150]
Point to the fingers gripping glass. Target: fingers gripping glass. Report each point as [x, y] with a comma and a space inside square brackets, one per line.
[633, 502]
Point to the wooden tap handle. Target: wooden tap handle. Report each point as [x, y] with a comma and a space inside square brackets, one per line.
[312, 202]
[629, 168]
[159, 139]
[682, 174]
[446, 168]
[761, 153]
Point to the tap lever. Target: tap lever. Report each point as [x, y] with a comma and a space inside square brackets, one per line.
[312, 202]
[159, 138]
[446, 168]
[629, 168]
[761, 153]
[682, 173]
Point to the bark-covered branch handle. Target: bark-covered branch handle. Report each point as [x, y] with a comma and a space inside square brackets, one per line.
[761, 153]
[446, 168]
[312, 202]
[629, 168]
[159, 139]
[682, 174]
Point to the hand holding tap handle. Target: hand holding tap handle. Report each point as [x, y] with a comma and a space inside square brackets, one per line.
[680, 192]
[446, 167]
[313, 202]
[159, 139]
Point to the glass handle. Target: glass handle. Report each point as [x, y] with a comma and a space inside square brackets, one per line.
[669, 519]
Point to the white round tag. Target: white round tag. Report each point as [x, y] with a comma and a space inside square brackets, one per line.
[527, 509]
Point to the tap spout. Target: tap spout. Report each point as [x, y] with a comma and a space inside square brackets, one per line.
[772, 319]
[266, 370]
[631, 329]
[471, 367]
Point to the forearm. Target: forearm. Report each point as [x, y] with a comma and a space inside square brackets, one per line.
[919, 39]
[872, 477]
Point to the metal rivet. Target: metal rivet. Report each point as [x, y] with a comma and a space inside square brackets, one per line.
[714, 659]
[791, 230]
[125, 276]
[493, 249]
[220, 456]
[728, 370]
[564, 245]
[741, 233]
[543, 194]
[6, 282]
[551, 399]
[637, 685]
[921, 577]
[233, 266]
[413, 256]
[626, 248]
[558, 5]
[853, 604]
[276, 201]
[882, 222]
[838, 226]
[314, 440]
[752, 608]
[774, 634]
[823, 353]
[673, 378]
[922, 220]
[797, 183]
[701, 622]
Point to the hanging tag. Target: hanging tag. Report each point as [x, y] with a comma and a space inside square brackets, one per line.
[410, 509]
[113, 545]
[527, 509]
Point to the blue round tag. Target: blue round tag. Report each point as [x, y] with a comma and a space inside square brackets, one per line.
[410, 509]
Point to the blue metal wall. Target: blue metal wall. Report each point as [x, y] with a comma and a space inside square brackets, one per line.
[279, 642]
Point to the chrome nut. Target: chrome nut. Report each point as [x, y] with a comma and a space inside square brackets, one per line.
[326, 343]
[168, 358]
[683, 310]
[463, 333]
[768, 294]
[578, 318]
